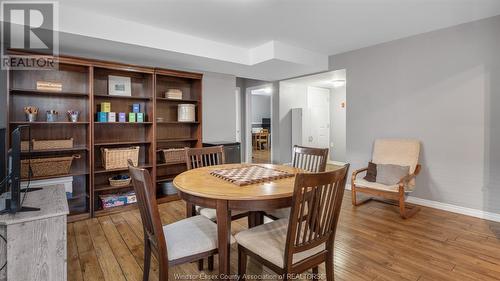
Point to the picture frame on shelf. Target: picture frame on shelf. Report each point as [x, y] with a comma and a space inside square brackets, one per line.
[119, 86]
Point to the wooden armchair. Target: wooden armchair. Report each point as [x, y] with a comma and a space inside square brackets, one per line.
[304, 240]
[181, 242]
[391, 151]
[309, 159]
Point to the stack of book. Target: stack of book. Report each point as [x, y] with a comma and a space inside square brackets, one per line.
[174, 94]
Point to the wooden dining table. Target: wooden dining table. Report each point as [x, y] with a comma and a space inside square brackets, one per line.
[198, 187]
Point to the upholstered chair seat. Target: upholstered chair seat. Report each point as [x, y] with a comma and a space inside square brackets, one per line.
[212, 214]
[269, 240]
[190, 237]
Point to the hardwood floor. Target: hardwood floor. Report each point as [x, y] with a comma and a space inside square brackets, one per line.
[261, 156]
[372, 243]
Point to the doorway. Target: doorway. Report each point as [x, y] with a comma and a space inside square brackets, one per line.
[316, 107]
[259, 129]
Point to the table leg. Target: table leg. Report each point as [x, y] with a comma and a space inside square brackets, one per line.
[255, 218]
[190, 210]
[224, 235]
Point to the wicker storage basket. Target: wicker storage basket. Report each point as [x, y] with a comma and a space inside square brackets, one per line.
[174, 155]
[43, 167]
[47, 144]
[118, 183]
[116, 158]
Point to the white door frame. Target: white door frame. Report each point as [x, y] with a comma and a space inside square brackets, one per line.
[248, 119]
[238, 114]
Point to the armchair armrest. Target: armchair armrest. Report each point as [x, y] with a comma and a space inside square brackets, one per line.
[406, 179]
[356, 172]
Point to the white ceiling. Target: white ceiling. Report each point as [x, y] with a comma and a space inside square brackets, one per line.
[262, 39]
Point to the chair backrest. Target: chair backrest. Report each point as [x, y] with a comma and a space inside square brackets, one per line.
[316, 202]
[310, 159]
[148, 207]
[403, 152]
[203, 157]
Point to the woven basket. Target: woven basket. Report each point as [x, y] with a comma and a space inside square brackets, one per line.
[174, 155]
[118, 183]
[116, 158]
[47, 144]
[43, 167]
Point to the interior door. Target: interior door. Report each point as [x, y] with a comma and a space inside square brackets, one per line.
[317, 122]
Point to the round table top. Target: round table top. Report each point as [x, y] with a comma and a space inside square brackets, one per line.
[199, 182]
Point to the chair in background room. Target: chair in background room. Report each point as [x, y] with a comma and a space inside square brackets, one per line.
[262, 139]
[306, 238]
[184, 241]
[400, 152]
[308, 159]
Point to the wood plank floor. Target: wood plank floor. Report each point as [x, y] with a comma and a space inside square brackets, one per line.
[372, 243]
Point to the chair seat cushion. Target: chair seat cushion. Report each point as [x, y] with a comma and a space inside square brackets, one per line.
[360, 182]
[212, 214]
[268, 241]
[190, 236]
[282, 213]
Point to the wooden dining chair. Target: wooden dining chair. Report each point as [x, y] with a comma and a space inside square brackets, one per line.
[304, 240]
[204, 157]
[181, 242]
[309, 159]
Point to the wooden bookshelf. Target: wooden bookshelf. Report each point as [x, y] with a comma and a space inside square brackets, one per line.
[169, 132]
[85, 87]
[75, 95]
[121, 134]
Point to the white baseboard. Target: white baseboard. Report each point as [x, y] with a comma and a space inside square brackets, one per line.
[450, 208]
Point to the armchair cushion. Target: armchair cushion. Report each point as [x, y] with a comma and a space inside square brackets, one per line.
[389, 174]
[375, 185]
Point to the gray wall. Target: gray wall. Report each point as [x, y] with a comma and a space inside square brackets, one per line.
[261, 108]
[219, 107]
[442, 88]
[338, 124]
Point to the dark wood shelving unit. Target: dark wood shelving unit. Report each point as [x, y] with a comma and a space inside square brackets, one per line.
[170, 133]
[84, 87]
[75, 77]
[122, 134]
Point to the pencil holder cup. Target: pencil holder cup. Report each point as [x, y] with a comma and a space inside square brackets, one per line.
[73, 117]
[51, 116]
[31, 117]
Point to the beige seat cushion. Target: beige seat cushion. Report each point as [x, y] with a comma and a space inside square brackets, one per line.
[212, 214]
[268, 241]
[360, 182]
[282, 213]
[191, 236]
[403, 152]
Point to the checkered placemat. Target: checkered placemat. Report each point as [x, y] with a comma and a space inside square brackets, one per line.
[250, 175]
